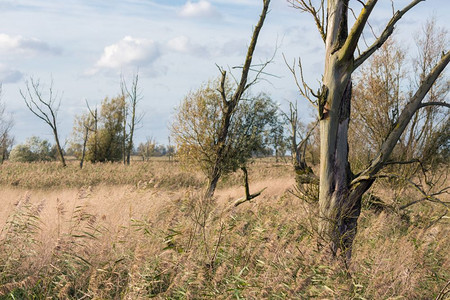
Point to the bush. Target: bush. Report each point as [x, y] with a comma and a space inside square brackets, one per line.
[34, 149]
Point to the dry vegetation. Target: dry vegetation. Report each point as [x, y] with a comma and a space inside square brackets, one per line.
[115, 232]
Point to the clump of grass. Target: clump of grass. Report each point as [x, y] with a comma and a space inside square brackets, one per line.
[19, 257]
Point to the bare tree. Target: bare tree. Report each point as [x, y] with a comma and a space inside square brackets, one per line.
[340, 190]
[303, 172]
[86, 124]
[44, 109]
[133, 95]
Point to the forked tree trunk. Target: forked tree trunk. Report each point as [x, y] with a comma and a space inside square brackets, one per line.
[339, 193]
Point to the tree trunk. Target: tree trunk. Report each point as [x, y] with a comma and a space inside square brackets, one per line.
[58, 147]
[339, 193]
[334, 114]
[212, 184]
[230, 105]
[83, 153]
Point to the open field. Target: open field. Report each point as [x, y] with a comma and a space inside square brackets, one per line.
[115, 232]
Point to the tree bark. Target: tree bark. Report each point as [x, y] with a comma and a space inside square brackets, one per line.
[58, 147]
[339, 192]
[83, 153]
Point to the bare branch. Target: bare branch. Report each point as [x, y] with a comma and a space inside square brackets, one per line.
[355, 33]
[248, 60]
[389, 29]
[317, 14]
[304, 89]
[43, 109]
[445, 104]
[406, 115]
[222, 86]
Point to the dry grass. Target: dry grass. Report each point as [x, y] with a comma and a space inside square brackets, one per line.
[146, 232]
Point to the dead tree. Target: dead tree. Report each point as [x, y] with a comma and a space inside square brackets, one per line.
[303, 173]
[340, 190]
[44, 109]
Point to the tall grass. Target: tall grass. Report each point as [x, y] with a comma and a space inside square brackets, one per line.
[50, 175]
[167, 242]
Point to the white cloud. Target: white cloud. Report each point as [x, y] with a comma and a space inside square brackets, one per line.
[128, 52]
[8, 75]
[18, 44]
[183, 44]
[200, 9]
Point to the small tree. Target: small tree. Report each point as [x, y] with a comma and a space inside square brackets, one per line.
[147, 149]
[83, 125]
[198, 123]
[132, 95]
[44, 109]
[6, 123]
[229, 101]
[107, 142]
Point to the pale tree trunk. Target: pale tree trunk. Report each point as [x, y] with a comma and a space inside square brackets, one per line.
[339, 193]
[334, 113]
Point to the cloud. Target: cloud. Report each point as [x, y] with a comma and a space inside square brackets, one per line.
[128, 52]
[8, 75]
[200, 9]
[183, 44]
[31, 46]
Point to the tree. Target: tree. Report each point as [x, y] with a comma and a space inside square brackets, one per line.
[83, 125]
[147, 149]
[276, 139]
[229, 102]
[303, 173]
[133, 95]
[46, 110]
[6, 123]
[34, 149]
[340, 190]
[198, 123]
[107, 142]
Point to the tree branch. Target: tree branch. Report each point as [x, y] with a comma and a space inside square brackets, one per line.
[305, 91]
[434, 103]
[309, 8]
[352, 40]
[388, 30]
[405, 116]
[248, 60]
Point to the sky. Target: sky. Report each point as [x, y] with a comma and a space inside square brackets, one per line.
[85, 46]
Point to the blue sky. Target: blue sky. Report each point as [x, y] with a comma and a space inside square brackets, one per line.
[85, 45]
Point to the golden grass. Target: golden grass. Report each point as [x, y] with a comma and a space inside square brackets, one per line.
[150, 234]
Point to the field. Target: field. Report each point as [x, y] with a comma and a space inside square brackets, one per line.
[116, 232]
